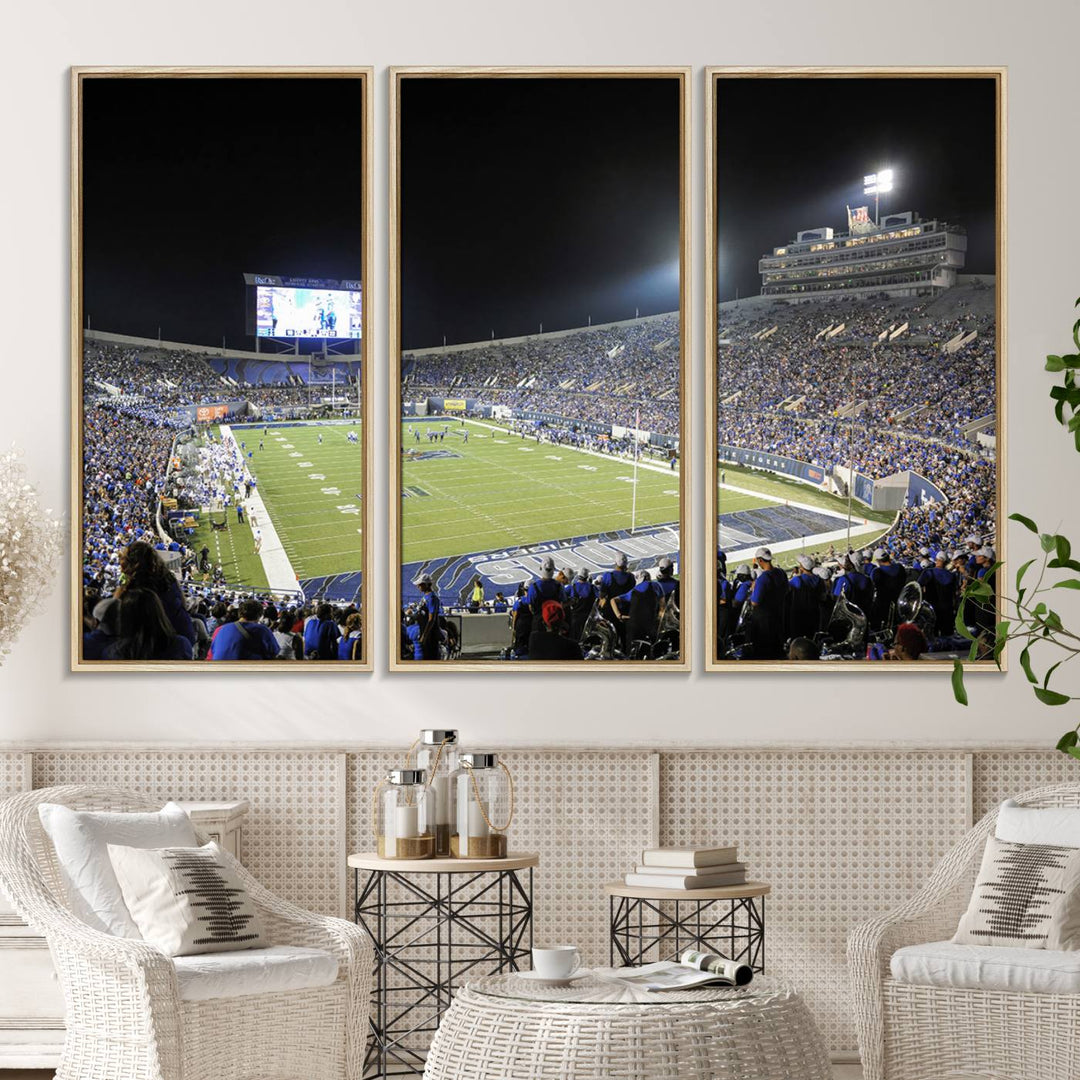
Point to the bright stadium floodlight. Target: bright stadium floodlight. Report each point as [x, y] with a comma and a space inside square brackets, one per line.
[878, 184]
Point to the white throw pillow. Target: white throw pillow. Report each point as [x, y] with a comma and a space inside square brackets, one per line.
[187, 900]
[80, 839]
[1025, 896]
[1057, 825]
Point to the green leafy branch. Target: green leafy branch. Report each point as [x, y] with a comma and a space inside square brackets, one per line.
[1025, 617]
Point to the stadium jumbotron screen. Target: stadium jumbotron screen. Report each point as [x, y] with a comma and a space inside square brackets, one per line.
[306, 308]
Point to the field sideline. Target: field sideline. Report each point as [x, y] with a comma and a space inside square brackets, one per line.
[499, 490]
[731, 502]
[310, 492]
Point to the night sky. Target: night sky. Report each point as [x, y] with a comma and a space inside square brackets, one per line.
[188, 183]
[536, 200]
[792, 152]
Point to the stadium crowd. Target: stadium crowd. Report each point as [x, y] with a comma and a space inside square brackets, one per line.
[887, 408]
[853, 605]
[561, 614]
[626, 374]
[134, 606]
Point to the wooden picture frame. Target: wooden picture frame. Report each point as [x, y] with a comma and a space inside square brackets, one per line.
[398, 78]
[363, 515]
[714, 80]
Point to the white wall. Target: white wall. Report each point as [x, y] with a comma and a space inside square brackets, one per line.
[41, 700]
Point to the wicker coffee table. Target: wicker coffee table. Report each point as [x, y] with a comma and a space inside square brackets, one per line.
[503, 1026]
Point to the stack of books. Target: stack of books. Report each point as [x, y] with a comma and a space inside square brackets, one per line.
[694, 867]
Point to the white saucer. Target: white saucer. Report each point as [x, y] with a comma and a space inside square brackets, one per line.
[536, 977]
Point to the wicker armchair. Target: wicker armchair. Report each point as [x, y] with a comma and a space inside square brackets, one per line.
[911, 1032]
[124, 1016]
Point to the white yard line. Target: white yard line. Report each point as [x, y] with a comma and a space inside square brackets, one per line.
[280, 576]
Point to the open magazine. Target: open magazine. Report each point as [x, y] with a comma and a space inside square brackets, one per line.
[693, 969]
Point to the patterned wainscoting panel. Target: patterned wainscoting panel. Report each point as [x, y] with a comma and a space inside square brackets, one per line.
[13, 773]
[999, 775]
[290, 839]
[840, 835]
[587, 814]
[364, 771]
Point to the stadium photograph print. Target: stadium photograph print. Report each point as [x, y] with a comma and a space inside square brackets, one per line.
[855, 364]
[539, 364]
[221, 241]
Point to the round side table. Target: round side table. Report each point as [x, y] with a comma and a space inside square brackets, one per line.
[431, 922]
[729, 920]
[502, 1027]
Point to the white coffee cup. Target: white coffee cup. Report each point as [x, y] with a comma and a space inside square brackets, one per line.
[556, 961]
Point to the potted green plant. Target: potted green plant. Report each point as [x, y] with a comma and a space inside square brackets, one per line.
[1027, 615]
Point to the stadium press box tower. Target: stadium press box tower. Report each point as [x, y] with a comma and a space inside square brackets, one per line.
[903, 256]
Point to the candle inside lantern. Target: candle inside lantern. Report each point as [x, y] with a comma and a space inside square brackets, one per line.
[407, 822]
[477, 825]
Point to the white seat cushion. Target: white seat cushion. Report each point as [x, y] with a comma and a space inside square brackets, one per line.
[988, 967]
[253, 971]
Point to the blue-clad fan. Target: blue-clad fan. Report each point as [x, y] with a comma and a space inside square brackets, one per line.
[939, 588]
[580, 598]
[854, 584]
[614, 583]
[725, 609]
[640, 608]
[888, 579]
[744, 586]
[666, 579]
[521, 621]
[768, 598]
[806, 590]
[545, 587]
[430, 613]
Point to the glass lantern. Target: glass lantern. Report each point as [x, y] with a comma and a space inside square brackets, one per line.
[484, 793]
[437, 754]
[405, 816]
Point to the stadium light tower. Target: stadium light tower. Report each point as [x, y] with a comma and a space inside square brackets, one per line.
[878, 184]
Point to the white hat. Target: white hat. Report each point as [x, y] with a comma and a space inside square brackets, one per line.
[822, 572]
[941, 556]
[620, 559]
[743, 571]
[880, 554]
[925, 552]
[973, 539]
[763, 553]
[985, 552]
[425, 579]
[924, 563]
[806, 562]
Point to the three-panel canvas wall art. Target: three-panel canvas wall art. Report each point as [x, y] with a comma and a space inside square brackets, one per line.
[538, 377]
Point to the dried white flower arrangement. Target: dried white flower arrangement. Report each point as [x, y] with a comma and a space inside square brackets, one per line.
[31, 539]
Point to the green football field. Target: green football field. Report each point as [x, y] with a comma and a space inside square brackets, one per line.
[310, 492]
[498, 490]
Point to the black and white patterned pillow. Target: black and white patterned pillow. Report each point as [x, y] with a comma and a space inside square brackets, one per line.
[186, 900]
[1026, 895]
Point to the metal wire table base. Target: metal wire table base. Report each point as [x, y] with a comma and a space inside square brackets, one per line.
[644, 930]
[426, 943]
